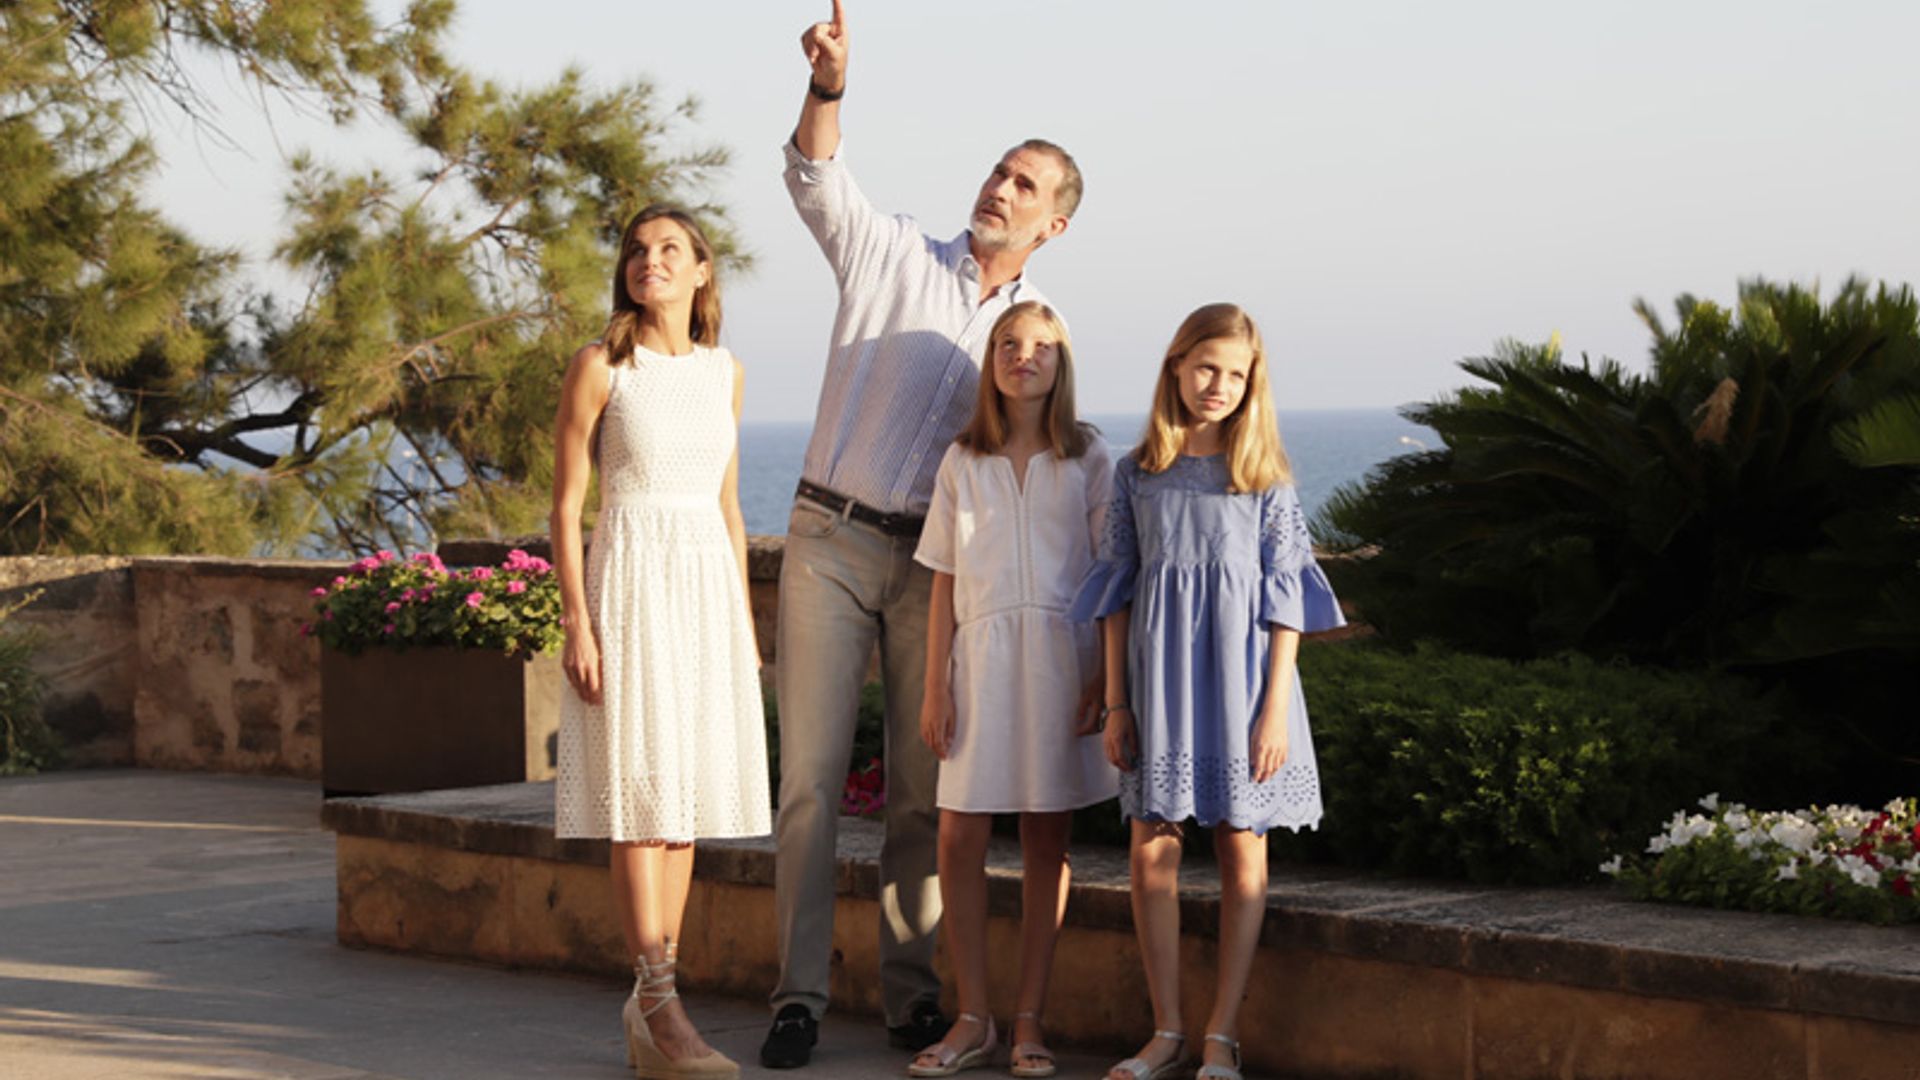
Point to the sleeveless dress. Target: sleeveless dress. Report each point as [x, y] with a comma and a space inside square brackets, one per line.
[676, 750]
[1206, 576]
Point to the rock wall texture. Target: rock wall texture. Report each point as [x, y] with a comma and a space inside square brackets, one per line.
[83, 620]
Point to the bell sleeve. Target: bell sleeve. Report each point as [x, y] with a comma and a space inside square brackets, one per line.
[1294, 591]
[1108, 584]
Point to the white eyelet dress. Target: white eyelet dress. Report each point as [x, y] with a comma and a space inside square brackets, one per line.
[676, 750]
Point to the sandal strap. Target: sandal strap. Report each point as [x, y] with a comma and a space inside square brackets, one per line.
[654, 980]
[1231, 1042]
[1175, 1036]
[945, 1054]
[1032, 1050]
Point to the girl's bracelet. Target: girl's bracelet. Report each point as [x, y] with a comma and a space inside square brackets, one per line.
[1109, 710]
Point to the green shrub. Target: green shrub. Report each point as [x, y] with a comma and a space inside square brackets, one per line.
[1441, 763]
[27, 744]
[1748, 500]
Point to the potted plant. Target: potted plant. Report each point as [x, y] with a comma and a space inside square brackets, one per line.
[433, 677]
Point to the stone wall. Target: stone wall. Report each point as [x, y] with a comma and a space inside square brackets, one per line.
[225, 681]
[198, 663]
[176, 663]
[84, 621]
[1356, 976]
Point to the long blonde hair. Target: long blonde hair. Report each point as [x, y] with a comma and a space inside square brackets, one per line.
[1256, 460]
[986, 433]
[623, 329]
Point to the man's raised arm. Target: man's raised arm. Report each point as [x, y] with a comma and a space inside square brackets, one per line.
[825, 44]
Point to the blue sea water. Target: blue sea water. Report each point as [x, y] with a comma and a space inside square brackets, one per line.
[1329, 447]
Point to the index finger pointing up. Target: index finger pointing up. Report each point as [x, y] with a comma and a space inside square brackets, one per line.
[839, 16]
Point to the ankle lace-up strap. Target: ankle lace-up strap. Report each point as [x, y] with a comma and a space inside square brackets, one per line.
[654, 980]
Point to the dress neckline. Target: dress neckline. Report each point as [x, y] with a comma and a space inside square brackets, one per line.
[640, 350]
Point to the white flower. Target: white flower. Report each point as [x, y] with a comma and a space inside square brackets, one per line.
[1794, 834]
[1789, 872]
[1864, 876]
[1848, 833]
[1693, 828]
[1710, 802]
[1657, 845]
[1611, 866]
[1738, 821]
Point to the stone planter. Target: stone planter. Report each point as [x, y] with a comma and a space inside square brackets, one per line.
[434, 718]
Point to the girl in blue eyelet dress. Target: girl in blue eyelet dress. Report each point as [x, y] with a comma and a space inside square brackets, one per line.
[1205, 580]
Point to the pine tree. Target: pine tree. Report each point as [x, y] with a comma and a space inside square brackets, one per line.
[150, 401]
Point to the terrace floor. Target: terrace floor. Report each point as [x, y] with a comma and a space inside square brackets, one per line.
[159, 924]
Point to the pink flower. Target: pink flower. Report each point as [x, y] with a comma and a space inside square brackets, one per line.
[516, 587]
[327, 615]
[539, 565]
[393, 606]
[384, 555]
[475, 599]
[387, 629]
[482, 573]
[367, 565]
[306, 630]
[318, 590]
[340, 581]
[407, 597]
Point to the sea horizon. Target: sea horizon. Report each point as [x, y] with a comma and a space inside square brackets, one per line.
[1328, 448]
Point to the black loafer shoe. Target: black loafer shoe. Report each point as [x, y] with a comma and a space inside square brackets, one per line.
[924, 1027]
[790, 1043]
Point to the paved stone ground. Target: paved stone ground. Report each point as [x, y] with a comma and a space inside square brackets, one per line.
[159, 924]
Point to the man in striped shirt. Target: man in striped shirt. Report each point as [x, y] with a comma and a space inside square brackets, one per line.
[901, 379]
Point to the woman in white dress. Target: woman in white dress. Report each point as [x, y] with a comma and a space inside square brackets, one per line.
[663, 740]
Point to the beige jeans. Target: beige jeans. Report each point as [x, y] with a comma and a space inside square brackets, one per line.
[844, 585]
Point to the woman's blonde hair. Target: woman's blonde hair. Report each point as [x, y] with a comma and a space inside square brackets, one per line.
[1256, 460]
[1065, 434]
[623, 329]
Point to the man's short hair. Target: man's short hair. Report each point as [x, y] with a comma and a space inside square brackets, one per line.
[1066, 198]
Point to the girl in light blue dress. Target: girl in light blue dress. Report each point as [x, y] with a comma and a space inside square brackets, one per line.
[1205, 580]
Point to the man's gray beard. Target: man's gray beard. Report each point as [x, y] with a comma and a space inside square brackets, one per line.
[990, 238]
[997, 238]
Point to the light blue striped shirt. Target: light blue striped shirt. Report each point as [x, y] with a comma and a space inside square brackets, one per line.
[907, 343]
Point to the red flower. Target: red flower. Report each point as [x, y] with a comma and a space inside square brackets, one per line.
[1902, 886]
[866, 789]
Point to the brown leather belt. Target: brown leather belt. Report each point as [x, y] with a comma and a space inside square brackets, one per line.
[901, 525]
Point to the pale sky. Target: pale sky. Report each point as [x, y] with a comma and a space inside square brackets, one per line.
[1388, 187]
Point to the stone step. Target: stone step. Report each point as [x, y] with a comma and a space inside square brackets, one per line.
[1356, 976]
